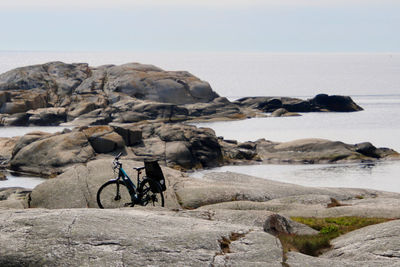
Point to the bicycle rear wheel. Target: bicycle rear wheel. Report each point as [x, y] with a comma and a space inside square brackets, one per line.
[114, 194]
[150, 192]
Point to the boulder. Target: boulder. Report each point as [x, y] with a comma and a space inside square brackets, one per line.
[50, 155]
[103, 139]
[47, 116]
[28, 139]
[132, 135]
[6, 148]
[78, 185]
[277, 224]
[335, 103]
[202, 144]
[178, 153]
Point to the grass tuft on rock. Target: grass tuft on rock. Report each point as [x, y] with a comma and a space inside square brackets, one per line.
[328, 228]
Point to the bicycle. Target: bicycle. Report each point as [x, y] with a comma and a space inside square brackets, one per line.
[122, 192]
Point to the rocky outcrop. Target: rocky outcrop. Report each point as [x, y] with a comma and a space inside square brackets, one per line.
[180, 145]
[49, 154]
[175, 145]
[311, 150]
[77, 94]
[320, 151]
[230, 225]
[70, 92]
[321, 102]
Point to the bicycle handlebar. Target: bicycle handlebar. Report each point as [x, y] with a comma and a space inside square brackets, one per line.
[118, 156]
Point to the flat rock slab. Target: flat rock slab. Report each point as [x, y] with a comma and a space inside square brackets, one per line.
[376, 242]
[232, 187]
[128, 237]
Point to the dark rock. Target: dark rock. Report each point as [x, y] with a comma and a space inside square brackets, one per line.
[131, 134]
[367, 149]
[298, 106]
[277, 224]
[335, 103]
[18, 119]
[47, 116]
[103, 139]
[3, 177]
[270, 105]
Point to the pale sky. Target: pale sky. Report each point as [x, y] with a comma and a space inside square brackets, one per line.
[201, 25]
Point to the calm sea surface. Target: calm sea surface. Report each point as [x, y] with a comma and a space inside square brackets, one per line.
[373, 80]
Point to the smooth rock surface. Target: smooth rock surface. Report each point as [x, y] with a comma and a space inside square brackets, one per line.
[128, 237]
[52, 153]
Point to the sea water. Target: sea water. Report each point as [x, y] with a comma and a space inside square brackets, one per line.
[372, 80]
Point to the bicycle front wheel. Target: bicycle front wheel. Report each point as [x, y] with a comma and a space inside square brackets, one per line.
[113, 195]
[150, 192]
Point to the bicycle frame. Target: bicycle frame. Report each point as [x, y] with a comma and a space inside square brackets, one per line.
[142, 193]
[132, 188]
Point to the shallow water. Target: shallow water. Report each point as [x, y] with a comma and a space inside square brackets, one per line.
[379, 124]
[379, 176]
[21, 181]
[20, 131]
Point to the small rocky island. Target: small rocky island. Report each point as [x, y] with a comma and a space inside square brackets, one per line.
[224, 219]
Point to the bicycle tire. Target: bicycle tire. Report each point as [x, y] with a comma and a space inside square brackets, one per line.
[107, 196]
[150, 192]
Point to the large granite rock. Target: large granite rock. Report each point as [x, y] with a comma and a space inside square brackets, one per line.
[78, 185]
[180, 145]
[148, 82]
[129, 237]
[50, 154]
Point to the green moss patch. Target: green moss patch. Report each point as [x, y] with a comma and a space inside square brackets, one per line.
[328, 228]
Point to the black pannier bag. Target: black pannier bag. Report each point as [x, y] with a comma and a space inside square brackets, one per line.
[153, 171]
